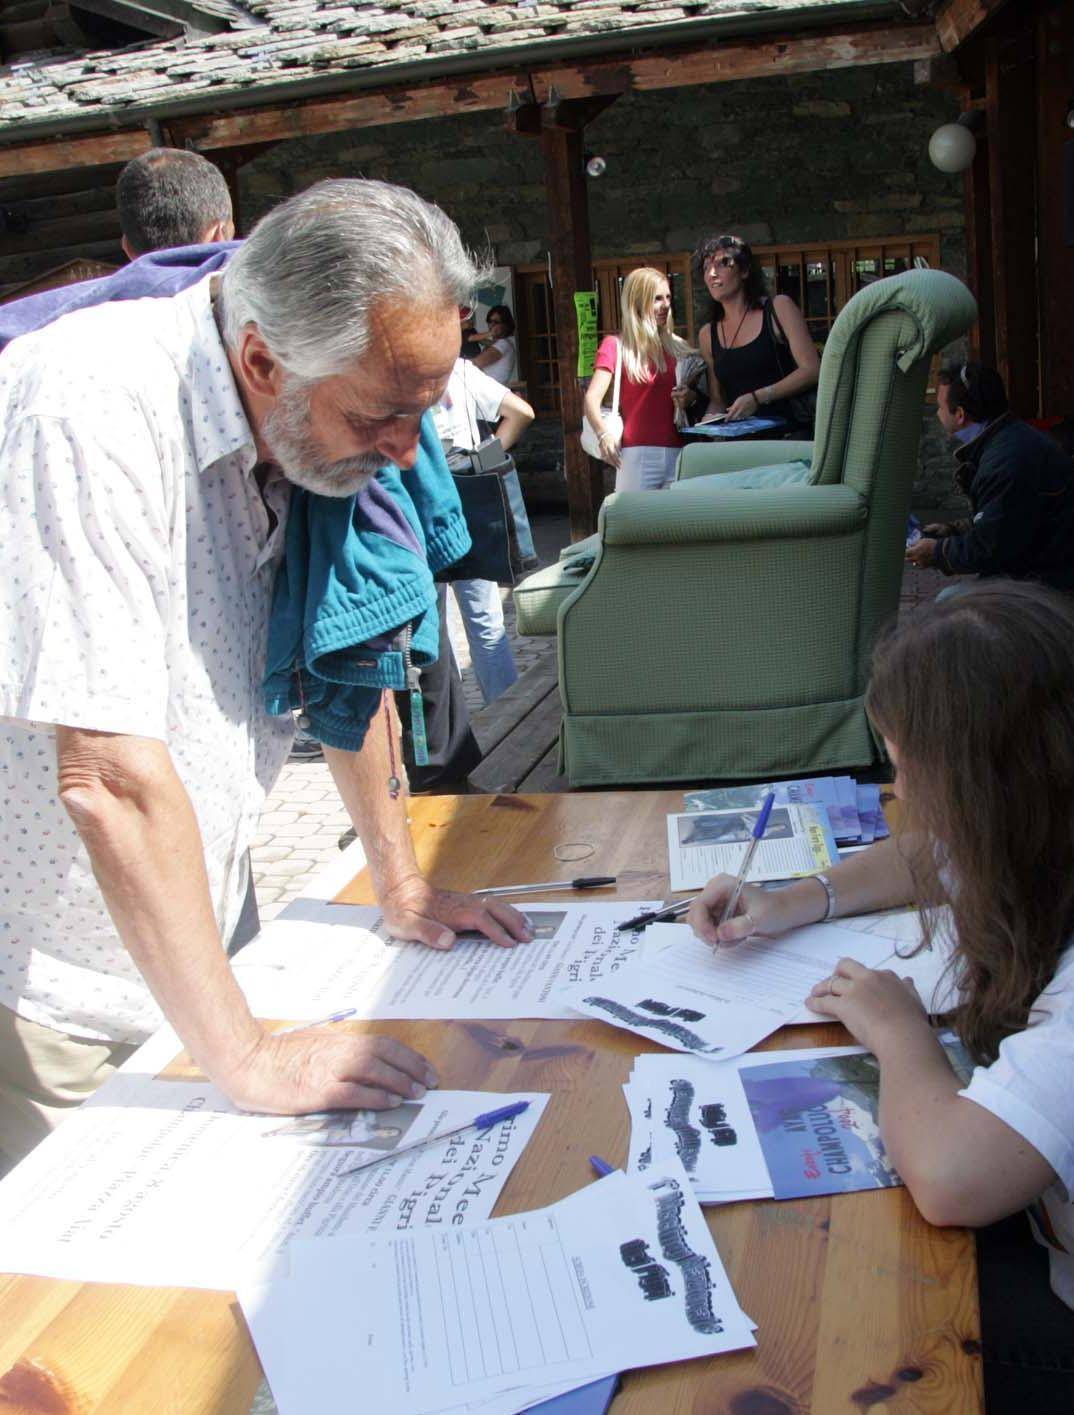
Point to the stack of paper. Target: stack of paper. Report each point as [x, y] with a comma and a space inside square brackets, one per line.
[492, 1319]
[853, 809]
[781, 1124]
[160, 1181]
[720, 1002]
[322, 957]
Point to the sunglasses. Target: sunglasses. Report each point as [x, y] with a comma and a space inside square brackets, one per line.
[720, 262]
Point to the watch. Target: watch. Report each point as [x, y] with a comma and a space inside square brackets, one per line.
[829, 890]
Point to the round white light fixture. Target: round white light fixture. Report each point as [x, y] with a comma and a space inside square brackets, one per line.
[952, 147]
[596, 167]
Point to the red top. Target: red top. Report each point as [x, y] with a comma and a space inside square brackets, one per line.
[646, 408]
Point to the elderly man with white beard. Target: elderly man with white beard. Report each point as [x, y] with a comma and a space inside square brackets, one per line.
[148, 452]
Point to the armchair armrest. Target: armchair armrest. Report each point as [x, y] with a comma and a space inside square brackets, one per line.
[702, 459]
[698, 514]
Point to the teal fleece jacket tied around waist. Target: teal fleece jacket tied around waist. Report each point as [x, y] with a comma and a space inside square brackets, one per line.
[354, 598]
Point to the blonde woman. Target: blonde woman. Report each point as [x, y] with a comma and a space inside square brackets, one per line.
[650, 447]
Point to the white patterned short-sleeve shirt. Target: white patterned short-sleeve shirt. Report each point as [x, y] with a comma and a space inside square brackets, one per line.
[138, 559]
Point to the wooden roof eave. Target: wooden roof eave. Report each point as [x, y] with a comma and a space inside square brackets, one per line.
[409, 93]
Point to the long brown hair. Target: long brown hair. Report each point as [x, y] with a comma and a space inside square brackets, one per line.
[977, 695]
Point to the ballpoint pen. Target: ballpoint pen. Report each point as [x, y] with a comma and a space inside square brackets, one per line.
[670, 911]
[320, 1022]
[485, 1121]
[759, 828]
[585, 882]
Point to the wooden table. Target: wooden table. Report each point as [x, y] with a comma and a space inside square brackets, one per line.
[860, 1304]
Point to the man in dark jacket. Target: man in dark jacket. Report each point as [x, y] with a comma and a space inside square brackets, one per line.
[1019, 482]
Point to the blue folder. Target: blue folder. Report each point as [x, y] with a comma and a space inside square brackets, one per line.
[592, 1399]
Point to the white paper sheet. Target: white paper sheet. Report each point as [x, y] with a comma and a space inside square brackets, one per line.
[717, 1002]
[621, 1274]
[163, 1182]
[701, 844]
[340, 955]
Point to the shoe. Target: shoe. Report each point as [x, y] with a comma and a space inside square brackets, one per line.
[305, 749]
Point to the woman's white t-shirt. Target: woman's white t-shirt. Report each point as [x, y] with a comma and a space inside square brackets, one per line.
[1030, 1087]
[503, 370]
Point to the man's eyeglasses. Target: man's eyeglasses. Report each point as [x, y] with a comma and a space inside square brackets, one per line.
[720, 262]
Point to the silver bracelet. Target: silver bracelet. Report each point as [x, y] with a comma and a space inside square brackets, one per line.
[829, 890]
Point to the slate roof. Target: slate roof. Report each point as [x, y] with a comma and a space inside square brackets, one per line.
[295, 44]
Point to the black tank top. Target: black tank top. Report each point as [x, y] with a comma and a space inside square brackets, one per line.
[750, 366]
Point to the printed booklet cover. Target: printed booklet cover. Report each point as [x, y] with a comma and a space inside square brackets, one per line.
[818, 1121]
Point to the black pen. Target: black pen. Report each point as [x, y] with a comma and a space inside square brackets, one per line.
[671, 911]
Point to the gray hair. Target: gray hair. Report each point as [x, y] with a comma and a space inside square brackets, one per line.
[312, 269]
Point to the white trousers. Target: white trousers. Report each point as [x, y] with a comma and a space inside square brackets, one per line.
[646, 468]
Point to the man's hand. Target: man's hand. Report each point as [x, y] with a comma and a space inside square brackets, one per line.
[922, 553]
[295, 1073]
[415, 909]
[875, 1005]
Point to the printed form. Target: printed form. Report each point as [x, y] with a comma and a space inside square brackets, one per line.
[623, 1273]
[719, 1002]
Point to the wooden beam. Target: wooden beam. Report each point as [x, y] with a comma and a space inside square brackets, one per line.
[716, 63]
[571, 270]
[956, 20]
[57, 154]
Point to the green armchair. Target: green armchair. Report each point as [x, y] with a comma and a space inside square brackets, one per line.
[718, 630]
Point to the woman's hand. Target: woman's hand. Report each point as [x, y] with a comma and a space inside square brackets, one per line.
[874, 1005]
[761, 913]
[610, 450]
[682, 397]
[744, 407]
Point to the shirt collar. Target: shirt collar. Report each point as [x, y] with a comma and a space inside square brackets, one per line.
[218, 420]
[969, 432]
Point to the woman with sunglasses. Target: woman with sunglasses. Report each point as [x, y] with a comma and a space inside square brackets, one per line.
[647, 350]
[758, 351]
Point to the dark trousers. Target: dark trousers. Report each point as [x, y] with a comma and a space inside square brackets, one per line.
[453, 749]
[1027, 1333]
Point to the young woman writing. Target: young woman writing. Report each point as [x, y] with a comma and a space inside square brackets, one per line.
[649, 348]
[974, 697]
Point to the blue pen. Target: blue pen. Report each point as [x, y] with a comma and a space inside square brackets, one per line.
[602, 1167]
[485, 1121]
[320, 1022]
[759, 828]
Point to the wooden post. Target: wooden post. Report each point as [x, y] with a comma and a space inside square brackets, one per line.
[571, 268]
[1055, 162]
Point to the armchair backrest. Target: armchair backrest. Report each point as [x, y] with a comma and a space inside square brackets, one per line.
[870, 400]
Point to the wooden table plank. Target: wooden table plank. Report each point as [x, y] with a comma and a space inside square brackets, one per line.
[860, 1304]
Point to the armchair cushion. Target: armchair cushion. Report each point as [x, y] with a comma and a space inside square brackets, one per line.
[755, 478]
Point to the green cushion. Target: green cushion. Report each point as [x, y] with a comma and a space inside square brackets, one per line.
[752, 478]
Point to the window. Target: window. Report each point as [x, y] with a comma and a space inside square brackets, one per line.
[819, 278]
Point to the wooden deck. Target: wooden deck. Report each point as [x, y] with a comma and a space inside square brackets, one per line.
[519, 734]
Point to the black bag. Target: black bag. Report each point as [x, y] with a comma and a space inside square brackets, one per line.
[801, 407]
[494, 553]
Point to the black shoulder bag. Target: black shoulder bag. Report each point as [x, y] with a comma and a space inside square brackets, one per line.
[802, 407]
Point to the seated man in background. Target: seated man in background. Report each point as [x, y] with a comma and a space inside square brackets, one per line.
[1020, 486]
[148, 450]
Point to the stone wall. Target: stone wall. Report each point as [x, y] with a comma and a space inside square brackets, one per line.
[826, 156]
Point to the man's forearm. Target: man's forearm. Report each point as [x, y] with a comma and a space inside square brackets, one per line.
[138, 825]
[362, 779]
